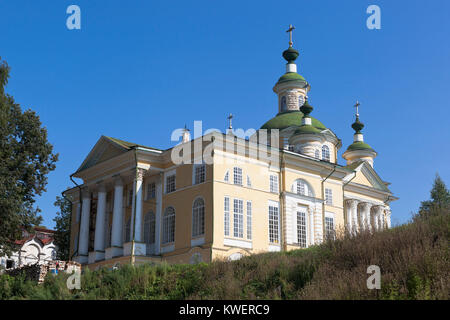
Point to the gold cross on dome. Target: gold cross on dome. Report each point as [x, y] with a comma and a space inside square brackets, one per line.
[357, 107]
[291, 28]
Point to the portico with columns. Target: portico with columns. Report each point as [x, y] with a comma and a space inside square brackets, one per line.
[101, 234]
[366, 216]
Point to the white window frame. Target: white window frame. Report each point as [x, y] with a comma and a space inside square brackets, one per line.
[249, 220]
[302, 229]
[328, 196]
[273, 183]
[168, 229]
[237, 176]
[249, 182]
[198, 217]
[307, 189]
[226, 215]
[330, 216]
[238, 218]
[326, 154]
[274, 222]
[226, 178]
[198, 173]
[167, 183]
[317, 154]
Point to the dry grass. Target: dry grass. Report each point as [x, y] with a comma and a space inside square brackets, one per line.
[414, 262]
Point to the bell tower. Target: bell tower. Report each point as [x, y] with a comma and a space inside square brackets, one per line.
[359, 150]
[291, 88]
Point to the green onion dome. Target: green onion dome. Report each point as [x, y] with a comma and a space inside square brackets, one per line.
[290, 55]
[306, 108]
[359, 145]
[357, 125]
[293, 78]
[306, 129]
[288, 119]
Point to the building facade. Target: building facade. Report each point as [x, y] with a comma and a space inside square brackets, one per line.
[224, 196]
[34, 248]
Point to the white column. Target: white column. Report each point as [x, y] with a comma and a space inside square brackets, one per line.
[311, 226]
[352, 215]
[355, 216]
[99, 242]
[158, 214]
[388, 218]
[138, 218]
[365, 212]
[360, 216]
[381, 221]
[83, 246]
[376, 218]
[116, 237]
[348, 214]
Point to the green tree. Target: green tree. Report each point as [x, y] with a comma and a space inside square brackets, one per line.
[440, 199]
[62, 220]
[25, 160]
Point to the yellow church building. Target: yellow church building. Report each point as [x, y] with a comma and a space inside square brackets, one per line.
[222, 195]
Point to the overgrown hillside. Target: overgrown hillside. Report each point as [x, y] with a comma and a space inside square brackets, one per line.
[414, 262]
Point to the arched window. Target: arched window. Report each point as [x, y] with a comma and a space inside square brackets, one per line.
[325, 153]
[317, 154]
[283, 103]
[198, 218]
[169, 225]
[128, 230]
[149, 228]
[303, 188]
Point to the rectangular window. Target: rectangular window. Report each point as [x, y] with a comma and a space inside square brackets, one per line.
[329, 228]
[151, 191]
[328, 196]
[238, 218]
[170, 183]
[168, 229]
[199, 173]
[301, 229]
[273, 224]
[249, 220]
[237, 176]
[226, 216]
[273, 183]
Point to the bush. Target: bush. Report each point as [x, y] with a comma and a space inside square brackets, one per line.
[414, 262]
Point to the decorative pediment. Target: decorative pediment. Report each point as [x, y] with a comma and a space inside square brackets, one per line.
[105, 149]
[366, 175]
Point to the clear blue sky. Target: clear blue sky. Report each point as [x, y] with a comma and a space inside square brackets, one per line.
[139, 69]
